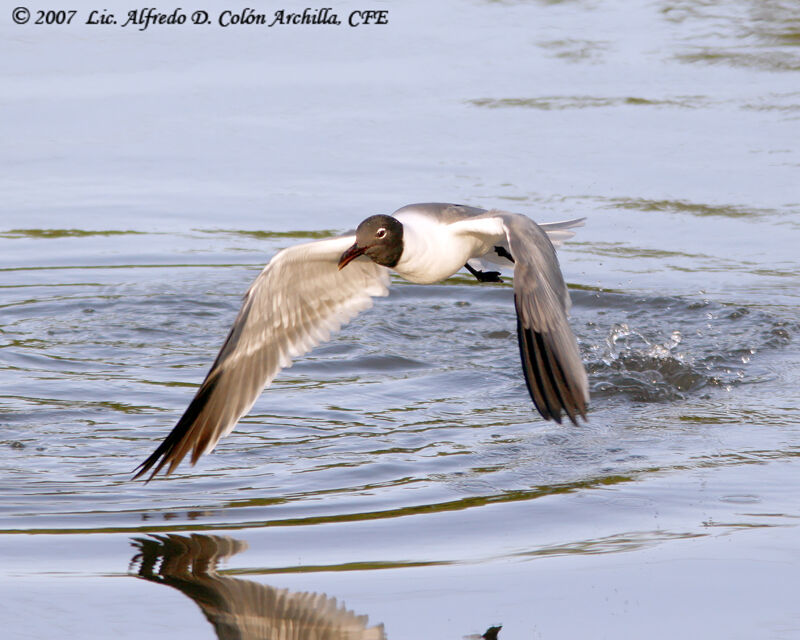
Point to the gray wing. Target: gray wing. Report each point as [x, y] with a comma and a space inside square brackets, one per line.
[297, 301]
[551, 362]
[444, 212]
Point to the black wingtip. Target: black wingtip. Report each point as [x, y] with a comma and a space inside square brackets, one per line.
[552, 392]
[163, 450]
[178, 442]
[143, 468]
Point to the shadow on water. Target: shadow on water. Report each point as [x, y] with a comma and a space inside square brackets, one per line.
[243, 609]
[240, 609]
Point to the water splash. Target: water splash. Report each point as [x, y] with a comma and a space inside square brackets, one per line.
[663, 349]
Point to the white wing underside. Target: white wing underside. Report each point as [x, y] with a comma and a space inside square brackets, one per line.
[297, 302]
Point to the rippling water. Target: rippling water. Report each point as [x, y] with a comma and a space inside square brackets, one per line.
[396, 482]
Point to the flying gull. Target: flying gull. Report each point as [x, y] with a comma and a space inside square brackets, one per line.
[308, 291]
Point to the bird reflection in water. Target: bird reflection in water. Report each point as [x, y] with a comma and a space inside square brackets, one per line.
[490, 634]
[243, 609]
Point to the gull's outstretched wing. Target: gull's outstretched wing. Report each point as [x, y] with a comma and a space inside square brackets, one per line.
[551, 362]
[554, 372]
[297, 301]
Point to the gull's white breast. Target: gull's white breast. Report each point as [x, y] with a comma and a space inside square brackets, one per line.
[433, 251]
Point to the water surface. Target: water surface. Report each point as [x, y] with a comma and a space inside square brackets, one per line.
[396, 481]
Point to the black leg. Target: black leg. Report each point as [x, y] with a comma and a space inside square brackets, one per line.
[484, 276]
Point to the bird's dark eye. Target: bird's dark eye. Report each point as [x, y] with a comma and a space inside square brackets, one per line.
[380, 233]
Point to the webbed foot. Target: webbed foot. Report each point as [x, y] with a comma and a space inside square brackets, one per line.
[484, 276]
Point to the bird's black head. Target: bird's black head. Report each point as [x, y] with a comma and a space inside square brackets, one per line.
[380, 238]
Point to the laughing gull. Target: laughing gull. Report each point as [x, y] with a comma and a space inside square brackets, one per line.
[308, 291]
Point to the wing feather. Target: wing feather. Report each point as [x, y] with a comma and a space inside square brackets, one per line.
[551, 361]
[560, 231]
[298, 301]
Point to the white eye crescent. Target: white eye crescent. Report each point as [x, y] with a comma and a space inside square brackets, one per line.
[380, 233]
